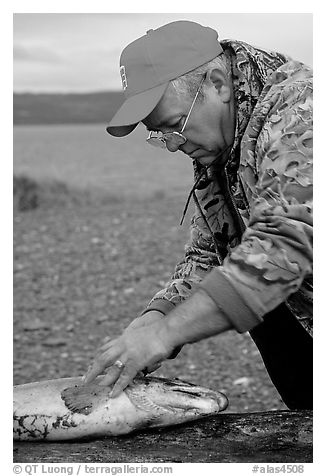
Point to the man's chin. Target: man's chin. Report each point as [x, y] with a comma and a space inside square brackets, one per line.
[202, 156]
[206, 160]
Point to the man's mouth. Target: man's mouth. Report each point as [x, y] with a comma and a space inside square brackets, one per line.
[195, 154]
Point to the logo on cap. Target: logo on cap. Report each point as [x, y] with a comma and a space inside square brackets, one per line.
[123, 77]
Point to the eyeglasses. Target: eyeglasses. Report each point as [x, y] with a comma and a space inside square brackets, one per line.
[175, 138]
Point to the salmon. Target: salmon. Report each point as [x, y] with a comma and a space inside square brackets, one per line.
[66, 409]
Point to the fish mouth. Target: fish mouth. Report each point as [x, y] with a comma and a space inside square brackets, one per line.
[186, 391]
[190, 397]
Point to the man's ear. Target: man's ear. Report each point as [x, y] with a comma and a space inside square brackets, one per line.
[219, 80]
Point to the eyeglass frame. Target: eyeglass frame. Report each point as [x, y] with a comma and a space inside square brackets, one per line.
[160, 140]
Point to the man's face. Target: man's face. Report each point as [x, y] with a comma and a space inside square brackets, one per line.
[210, 127]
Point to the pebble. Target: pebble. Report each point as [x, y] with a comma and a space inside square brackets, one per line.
[95, 240]
[35, 325]
[54, 342]
[103, 318]
[243, 381]
[129, 290]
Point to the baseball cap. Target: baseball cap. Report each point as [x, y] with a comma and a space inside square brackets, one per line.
[150, 62]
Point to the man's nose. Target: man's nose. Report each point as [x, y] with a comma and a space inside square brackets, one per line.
[171, 145]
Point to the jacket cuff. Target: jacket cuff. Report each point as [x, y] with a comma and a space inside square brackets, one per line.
[229, 301]
[162, 305]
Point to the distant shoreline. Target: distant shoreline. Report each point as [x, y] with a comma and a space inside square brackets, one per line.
[65, 108]
[45, 124]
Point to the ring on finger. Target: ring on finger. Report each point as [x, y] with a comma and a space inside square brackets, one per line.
[119, 364]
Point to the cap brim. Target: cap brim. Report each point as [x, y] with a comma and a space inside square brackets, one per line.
[120, 131]
[134, 110]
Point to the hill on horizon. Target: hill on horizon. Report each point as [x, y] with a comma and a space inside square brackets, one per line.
[65, 108]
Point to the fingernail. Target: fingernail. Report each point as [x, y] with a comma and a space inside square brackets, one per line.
[85, 377]
[89, 368]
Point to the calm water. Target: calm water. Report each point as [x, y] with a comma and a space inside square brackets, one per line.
[86, 156]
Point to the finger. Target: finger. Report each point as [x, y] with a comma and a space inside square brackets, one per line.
[151, 368]
[111, 376]
[104, 360]
[104, 347]
[125, 378]
[86, 374]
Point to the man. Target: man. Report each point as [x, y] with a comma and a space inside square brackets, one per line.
[244, 117]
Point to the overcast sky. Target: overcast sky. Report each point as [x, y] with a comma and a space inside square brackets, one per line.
[80, 51]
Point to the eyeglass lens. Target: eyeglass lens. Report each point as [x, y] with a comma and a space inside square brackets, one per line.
[175, 139]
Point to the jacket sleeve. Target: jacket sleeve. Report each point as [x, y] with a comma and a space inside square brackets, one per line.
[275, 253]
[199, 259]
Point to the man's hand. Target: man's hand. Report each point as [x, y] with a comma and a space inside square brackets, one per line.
[149, 318]
[144, 320]
[138, 348]
[145, 344]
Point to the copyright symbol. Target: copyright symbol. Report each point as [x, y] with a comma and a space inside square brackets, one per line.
[17, 469]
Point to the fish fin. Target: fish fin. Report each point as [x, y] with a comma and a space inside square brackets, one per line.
[84, 398]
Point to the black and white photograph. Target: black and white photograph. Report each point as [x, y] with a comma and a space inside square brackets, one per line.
[162, 241]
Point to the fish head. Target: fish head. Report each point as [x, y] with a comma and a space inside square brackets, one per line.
[174, 400]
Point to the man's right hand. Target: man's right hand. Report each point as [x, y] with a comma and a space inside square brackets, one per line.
[141, 321]
[149, 318]
[144, 320]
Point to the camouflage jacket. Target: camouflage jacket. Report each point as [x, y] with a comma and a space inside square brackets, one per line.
[250, 244]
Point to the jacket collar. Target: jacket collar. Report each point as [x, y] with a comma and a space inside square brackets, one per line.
[250, 68]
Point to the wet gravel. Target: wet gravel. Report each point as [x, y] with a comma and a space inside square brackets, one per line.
[85, 270]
